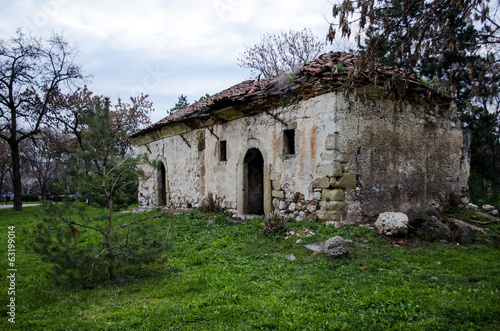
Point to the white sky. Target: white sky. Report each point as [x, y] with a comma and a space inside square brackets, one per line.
[162, 48]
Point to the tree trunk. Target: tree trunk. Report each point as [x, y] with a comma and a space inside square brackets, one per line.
[111, 269]
[16, 176]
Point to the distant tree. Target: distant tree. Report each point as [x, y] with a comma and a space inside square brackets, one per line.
[125, 117]
[203, 97]
[43, 158]
[286, 52]
[5, 164]
[181, 103]
[34, 72]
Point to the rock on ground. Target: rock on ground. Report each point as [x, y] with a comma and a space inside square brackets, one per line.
[392, 224]
[465, 236]
[434, 229]
[316, 247]
[337, 247]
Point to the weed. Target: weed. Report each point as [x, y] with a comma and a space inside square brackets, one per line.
[274, 225]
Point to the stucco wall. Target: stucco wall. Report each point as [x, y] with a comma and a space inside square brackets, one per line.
[353, 158]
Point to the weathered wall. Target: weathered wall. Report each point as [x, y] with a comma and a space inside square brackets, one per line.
[353, 159]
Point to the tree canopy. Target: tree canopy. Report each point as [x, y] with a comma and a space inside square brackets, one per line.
[281, 53]
[412, 31]
[34, 72]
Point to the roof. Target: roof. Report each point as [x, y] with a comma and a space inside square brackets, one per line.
[327, 73]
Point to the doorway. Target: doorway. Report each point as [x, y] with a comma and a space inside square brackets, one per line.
[162, 185]
[254, 182]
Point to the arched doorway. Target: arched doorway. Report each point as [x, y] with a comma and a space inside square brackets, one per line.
[162, 185]
[254, 182]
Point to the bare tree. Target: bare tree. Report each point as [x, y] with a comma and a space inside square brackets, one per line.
[286, 52]
[43, 157]
[33, 72]
[4, 164]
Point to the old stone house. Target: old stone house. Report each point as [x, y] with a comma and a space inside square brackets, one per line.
[304, 147]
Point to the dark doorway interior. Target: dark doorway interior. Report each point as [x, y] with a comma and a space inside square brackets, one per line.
[254, 180]
[162, 186]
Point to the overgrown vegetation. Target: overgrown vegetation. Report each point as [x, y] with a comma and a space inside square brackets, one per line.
[226, 275]
[274, 225]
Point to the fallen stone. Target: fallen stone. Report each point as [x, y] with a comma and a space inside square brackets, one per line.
[392, 224]
[494, 212]
[472, 206]
[416, 217]
[337, 247]
[488, 207]
[434, 229]
[316, 247]
[291, 257]
[456, 225]
[465, 236]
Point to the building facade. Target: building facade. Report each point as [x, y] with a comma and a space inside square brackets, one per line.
[305, 148]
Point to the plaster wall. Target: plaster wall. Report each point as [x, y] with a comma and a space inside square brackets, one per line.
[353, 159]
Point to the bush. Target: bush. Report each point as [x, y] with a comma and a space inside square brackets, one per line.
[274, 225]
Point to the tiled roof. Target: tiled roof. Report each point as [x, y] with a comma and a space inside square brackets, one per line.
[329, 69]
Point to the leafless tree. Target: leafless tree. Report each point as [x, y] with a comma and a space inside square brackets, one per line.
[286, 52]
[33, 73]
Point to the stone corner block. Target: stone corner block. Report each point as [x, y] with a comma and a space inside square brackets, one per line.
[276, 185]
[329, 169]
[322, 182]
[331, 142]
[333, 195]
[347, 182]
[277, 194]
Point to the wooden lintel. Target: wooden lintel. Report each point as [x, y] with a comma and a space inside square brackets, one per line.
[275, 117]
[212, 132]
[185, 140]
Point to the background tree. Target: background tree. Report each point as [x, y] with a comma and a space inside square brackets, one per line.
[5, 164]
[181, 103]
[43, 157]
[423, 30]
[286, 52]
[33, 73]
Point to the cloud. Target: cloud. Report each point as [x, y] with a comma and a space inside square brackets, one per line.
[163, 48]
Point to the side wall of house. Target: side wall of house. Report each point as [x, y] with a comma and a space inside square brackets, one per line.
[352, 159]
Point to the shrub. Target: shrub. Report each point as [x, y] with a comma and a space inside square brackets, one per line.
[274, 225]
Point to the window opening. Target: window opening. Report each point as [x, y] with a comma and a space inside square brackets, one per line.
[289, 142]
[223, 150]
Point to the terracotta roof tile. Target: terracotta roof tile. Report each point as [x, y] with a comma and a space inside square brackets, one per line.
[326, 66]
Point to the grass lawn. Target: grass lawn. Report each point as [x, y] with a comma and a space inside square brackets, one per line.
[221, 275]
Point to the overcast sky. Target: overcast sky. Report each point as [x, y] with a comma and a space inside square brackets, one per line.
[162, 48]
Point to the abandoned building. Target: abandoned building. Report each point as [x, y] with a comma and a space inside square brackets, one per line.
[303, 146]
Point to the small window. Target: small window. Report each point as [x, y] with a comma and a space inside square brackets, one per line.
[289, 142]
[222, 150]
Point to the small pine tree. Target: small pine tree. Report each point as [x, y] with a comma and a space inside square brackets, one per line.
[101, 174]
[181, 103]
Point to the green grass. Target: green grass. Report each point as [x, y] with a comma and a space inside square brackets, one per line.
[227, 276]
